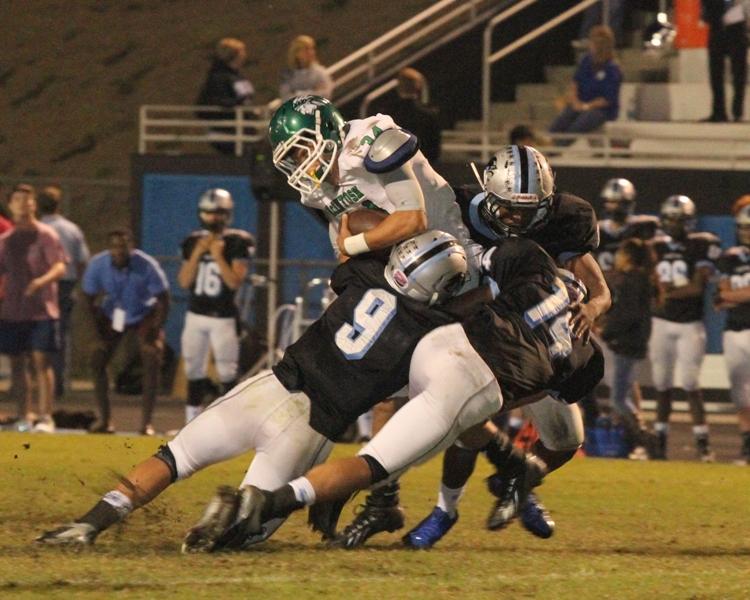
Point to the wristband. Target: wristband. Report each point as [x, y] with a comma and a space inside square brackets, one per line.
[355, 244]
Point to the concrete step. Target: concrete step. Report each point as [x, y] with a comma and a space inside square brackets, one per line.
[504, 112]
[534, 92]
[559, 74]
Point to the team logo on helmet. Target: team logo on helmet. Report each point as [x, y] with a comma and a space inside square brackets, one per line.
[307, 105]
[400, 279]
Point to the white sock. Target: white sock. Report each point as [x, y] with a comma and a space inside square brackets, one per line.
[191, 412]
[659, 427]
[119, 501]
[448, 498]
[364, 425]
[303, 490]
[700, 430]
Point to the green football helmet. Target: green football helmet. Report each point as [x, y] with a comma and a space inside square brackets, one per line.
[306, 134]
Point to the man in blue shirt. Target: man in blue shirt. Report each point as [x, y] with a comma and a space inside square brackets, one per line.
[127, 295]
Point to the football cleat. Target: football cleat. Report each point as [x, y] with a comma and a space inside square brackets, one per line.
[71, 534]
[512, 491]
[707, 456]
[369, 521]
[430, 530]
[218, 517]
[536, 519]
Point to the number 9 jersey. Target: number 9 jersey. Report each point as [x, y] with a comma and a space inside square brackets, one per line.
[359, 351]
[209, 295]
[676, 263]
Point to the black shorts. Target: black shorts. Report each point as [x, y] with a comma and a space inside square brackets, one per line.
[18, 337]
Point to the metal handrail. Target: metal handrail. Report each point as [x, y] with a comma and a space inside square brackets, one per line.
[488, 58]
[162, 123]
[614, 149]
[377, 57]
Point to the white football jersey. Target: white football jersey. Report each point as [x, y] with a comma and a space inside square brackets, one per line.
[360, 188]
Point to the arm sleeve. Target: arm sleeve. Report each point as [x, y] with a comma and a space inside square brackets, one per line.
[157, 280]
[90, 283]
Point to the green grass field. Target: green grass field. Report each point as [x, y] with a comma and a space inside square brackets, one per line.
[625, 530]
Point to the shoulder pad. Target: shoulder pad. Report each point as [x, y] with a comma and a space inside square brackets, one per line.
[705, 236]
[241, 234]
[390, 150]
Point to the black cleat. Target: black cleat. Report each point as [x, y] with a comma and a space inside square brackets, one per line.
[219, 515]
[369, 521]
[512, 491]
[72, 534]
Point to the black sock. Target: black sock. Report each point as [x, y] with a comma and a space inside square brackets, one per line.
[746, 444]
[102, 516]
[280, 503]
[384, 496]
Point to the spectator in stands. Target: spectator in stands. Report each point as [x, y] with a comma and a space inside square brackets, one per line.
[594, 94]
[626, 330]
[727, 36]
[127, 295]
[593, 17]
[32, 260]
[77, 252]
[304, 75]
[225, 86]
[411, 113]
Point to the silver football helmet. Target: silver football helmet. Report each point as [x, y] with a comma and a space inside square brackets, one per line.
[618, 196]
[678, 216]
[218, 202]
[429, 267]
[518, 185]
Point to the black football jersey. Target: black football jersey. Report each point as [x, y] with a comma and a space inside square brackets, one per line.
[676, 262]
[734, 265]
[358, 352]
[611, 235]
[209, 295]
[571, 229]
[527, 338]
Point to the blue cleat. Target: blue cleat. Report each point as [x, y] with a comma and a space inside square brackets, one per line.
[430, 530]
[536, 519]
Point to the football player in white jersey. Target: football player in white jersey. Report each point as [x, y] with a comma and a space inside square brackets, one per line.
[684, 264]
[214, 265]
[734, 296]
[339, 166]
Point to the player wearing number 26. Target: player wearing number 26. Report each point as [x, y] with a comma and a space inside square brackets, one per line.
[684, 264]
[215, 261]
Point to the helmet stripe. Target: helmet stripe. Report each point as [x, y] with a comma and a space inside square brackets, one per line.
[523, 155]
[428, 255]
[516, 171]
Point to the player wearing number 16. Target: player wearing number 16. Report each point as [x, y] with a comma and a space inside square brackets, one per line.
[684, 263]
[215, 261]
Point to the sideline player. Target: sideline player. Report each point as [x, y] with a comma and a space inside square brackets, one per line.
[684, 263]
[365, 338]
[340, 166]
[518, 199]
[215, 262]
[734, 296]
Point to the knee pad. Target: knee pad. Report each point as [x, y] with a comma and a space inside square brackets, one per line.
[377, 471]
[165, 455]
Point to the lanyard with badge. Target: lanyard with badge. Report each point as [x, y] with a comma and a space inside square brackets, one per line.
[118, 314]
